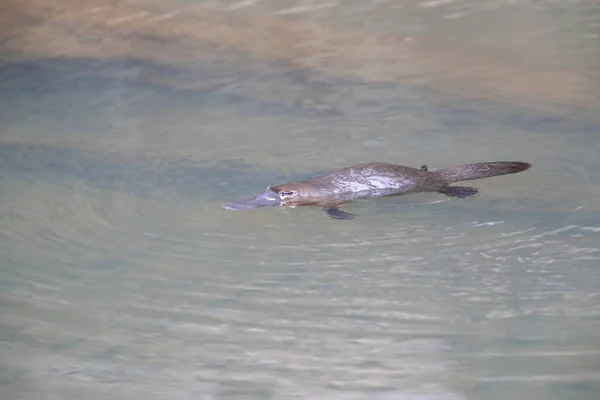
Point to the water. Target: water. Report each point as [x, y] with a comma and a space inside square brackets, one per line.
[124, 128]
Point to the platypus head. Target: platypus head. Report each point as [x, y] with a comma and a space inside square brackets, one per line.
[273, 196]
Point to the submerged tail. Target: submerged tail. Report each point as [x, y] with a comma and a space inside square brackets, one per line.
[468, 172]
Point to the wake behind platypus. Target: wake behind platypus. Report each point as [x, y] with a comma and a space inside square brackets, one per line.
[373, 180]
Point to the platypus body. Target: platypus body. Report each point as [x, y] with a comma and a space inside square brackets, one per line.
[372, 180]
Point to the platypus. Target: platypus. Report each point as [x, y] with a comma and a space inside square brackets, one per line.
[372, 180]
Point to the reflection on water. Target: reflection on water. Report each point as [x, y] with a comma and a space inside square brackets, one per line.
[125, 126]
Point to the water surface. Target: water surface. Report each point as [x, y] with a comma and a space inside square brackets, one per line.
[122, 277]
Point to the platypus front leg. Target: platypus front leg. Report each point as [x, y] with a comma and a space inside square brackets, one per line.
[336, 213]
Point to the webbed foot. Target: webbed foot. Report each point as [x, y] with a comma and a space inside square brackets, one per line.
[336, 213]
[459, 191]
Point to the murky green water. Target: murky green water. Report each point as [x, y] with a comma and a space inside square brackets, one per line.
[122, 277]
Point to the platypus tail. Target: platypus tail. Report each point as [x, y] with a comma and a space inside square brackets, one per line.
[468, 172]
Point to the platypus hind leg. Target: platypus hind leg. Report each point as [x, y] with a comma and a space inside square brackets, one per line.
[459, 191]
[336, 213]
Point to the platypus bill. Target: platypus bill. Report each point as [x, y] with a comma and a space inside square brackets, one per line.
[372, 180]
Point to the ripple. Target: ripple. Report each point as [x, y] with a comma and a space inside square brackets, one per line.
[352, 307]
[121, 274]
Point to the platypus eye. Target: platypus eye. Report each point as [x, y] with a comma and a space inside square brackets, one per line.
[285, 194]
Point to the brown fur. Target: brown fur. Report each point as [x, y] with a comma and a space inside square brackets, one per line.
[403, 180]
[373, 180]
